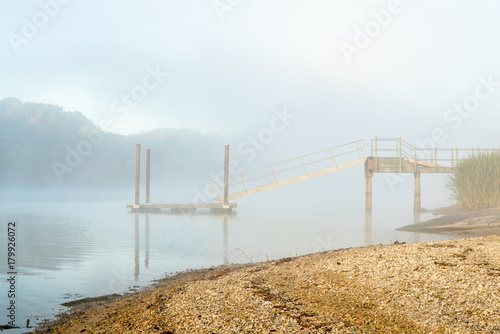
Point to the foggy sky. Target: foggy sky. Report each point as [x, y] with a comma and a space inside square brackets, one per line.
[344, 69]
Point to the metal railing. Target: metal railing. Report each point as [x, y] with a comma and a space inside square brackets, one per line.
[436, 157]
[334, 158]
[291, 169]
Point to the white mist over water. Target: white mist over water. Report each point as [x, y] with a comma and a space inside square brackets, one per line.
[69, 249]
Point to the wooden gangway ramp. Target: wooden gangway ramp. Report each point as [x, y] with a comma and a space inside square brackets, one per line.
[292, 170]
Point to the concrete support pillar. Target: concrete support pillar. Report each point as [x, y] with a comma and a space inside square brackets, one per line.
[368, 193]
[417, 206]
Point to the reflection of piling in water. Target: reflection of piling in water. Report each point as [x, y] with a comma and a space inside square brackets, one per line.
[136, 248]
[224, 250]
[146, 259]
[368, 228]
[416, 220]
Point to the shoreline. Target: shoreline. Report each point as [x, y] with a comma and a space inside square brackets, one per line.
[287, 295]
[459, 222]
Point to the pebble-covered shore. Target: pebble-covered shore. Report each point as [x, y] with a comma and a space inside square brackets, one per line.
[448, 286]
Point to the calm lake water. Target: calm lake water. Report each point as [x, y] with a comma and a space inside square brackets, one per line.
[68, 250]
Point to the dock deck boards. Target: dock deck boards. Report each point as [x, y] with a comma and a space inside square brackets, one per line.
[175, 207]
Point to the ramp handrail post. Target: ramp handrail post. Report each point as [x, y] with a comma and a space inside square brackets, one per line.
[415, 156]
[274, 174]
[302, 164]
[243, 182]
[400, 148]
[332, 155]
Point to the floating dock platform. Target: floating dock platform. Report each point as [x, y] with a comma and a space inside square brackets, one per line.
[182, 208]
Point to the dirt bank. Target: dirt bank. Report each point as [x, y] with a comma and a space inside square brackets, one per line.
[460, 222]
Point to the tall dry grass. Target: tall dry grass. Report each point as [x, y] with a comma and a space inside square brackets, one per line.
[476, 181]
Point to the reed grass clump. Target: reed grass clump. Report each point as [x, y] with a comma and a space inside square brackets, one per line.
[476, 181]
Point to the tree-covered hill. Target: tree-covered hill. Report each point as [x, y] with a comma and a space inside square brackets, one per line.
[43, 145]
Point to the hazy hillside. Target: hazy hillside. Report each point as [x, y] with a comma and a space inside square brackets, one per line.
[42, 145]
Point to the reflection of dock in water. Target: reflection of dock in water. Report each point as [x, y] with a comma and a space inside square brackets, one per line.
[224, 245]
[368, 228]
[136, 246]
[225, 259]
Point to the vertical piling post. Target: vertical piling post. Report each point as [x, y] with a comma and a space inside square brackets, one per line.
[148, 165]
[137, 171]
[416, 202]
[226, 176]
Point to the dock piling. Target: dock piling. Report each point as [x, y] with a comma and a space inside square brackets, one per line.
[368, 183]
[417, 206]
[148, 158]
[226, 176]
[137, 171]
[368, 194]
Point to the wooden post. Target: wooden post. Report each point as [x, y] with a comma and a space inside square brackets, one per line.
[368, 193]
[137, 171]
[226, 176]
[148, 160]
[416, 202]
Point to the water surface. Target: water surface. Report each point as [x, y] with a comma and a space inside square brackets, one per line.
[68, 249]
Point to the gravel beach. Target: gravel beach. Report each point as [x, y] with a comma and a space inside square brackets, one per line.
[448, 286]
